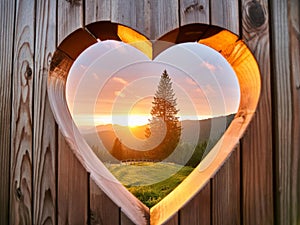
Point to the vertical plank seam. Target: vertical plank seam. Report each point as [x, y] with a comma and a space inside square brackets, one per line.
[56, 171]
[273, 115]
[56, 126]
[240, 11]
[241, 184]
[120, 216]
[179, 13]
[83, 14]
[33, 114]
[209, 11]
[211, 200]
[88, 198]
[178, 216]
[11, 106]
[110, 15]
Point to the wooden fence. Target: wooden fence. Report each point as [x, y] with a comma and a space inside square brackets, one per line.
[43, 182]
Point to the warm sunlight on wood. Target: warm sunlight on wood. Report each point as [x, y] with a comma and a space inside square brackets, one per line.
[123, 95]
[247, 71]
[135, 39]
[242, 61]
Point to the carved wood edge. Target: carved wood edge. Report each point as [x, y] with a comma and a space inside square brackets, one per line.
[228, 44]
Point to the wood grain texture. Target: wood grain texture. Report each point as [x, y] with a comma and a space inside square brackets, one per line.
[294, 31]
[73, 193]
[135, 210]
[21, 124]
[70, 17]
[174, 220]
[132, 13]
[98, 10]
[103, 210]
[247, 71]
[225, 14]
[198, 209]
[125, 220]
[44, 135]
[72, 187]
[164, 17]
[285, 51]
[226, 192]
[194, 11]
[257, 142]
[7, 10]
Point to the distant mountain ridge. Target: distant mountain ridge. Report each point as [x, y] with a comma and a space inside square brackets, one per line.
[103, 138]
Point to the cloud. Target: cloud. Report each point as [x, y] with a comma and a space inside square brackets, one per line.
[119, 93]
[95, 76]
[209, 66]
[120, 80]
[190, 81]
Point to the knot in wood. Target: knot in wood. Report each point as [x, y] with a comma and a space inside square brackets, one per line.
[192, 7]
[19, 193]
[256, 14]
[28, 72]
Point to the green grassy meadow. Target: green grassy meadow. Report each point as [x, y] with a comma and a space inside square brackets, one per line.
[141, 179]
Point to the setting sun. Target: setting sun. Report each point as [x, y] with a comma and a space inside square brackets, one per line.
[135, 120]
[102, 91]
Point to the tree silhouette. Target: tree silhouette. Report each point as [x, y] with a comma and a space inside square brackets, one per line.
[164, 119]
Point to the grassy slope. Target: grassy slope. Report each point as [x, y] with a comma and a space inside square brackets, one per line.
[161, 177]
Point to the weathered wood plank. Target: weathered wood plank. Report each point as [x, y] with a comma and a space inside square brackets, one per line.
[125, 220]
[7, 10]
[98, 172]
[225, 14]
[174, 220]
[70, 17]
[164, 17]
[73, 193]
[285, 51]
[72, 187]
[21, 124]
[198, 210]
[226, 192]
[132, 13]
[194, 11]
[294, 51]
[257, 142]
[44, 135]
[102, 209]
[247, 71]
[98, 10]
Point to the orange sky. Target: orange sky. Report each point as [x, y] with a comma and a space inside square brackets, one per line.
[112, 82]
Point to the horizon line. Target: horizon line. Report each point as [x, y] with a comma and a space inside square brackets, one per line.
[126, 123]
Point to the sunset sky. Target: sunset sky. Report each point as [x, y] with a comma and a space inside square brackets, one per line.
[113, 82]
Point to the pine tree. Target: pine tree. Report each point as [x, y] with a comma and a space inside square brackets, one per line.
[164, 119]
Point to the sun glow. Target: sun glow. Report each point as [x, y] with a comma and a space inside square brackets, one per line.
[130, 120]
[135, 120]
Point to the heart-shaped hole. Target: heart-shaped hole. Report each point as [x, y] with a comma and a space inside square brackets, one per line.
[114, 86]
[151, 121]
